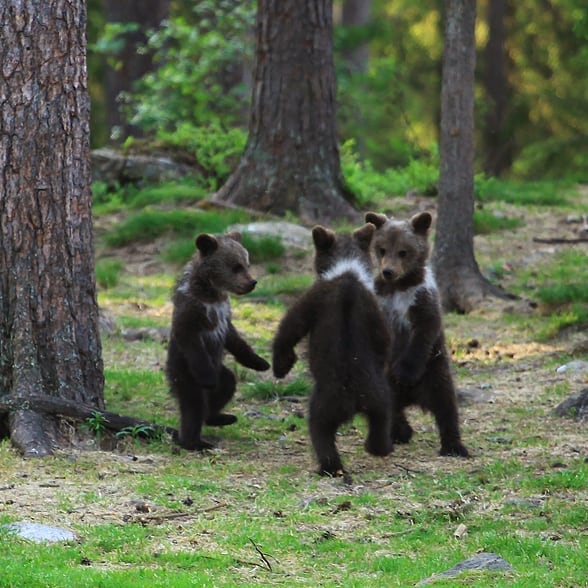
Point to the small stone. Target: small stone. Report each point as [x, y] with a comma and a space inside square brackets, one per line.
[39, 533]
[481, 561]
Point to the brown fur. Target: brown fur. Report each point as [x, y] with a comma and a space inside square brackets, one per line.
[419, 370]
[348, 346]
[202, 329]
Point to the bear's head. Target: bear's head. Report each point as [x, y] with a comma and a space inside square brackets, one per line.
[223, 263]
[333, 249]
[401, 247]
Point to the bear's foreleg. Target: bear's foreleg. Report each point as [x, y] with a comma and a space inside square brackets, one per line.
[242, 351]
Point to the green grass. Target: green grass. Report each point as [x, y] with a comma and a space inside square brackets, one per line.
[108, 272]
[151, 224]
[486, 222]
[544, 193]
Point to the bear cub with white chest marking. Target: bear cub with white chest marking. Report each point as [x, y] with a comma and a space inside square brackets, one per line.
[347, 349]
[419, 369]
[200, 332]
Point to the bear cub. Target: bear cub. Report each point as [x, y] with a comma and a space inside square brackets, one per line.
[348, 346]
[419, 370]
[200, 332]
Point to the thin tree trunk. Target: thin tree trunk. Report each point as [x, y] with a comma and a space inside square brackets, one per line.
[49, 338]
[356, 14]
[134, 64]
[498, 145]
[291, 161]
[461, 284]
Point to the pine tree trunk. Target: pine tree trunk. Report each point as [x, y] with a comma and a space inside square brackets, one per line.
[49, 339]
[498, 143]
[461, 284]
[291, 161]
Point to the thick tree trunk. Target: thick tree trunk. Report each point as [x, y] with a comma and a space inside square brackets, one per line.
[147, 14]
[49, 339]
[291, 161]
[498, 144]
[461, 284]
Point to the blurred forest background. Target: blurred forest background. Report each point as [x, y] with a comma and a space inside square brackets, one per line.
[186, 85]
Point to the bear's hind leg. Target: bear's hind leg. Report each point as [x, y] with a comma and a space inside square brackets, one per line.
[379, 439]
[192, 409]
[219, 397]
[401, 429]
[323, 425]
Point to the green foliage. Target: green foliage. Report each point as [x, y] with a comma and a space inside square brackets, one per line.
[194, 98]
[487, 221]
[544, 193]
[96, 424]
[150, 224]
[108, 272]
[266, 390]
[262, 249]
[371, 186]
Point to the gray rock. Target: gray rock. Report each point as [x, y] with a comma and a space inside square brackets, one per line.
[113, 167]
[291, 235]
[481, 561]
[39, 533]
[475, 395]
[577, 365]
[575, 406]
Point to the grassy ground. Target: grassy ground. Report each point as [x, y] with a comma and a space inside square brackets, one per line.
[253, 512]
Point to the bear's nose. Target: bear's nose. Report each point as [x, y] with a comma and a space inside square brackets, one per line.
[252, 284]
[388, 273]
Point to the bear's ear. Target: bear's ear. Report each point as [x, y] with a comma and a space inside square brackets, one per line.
[235, 235]
[421, 222]
[206, 244]
[375, 218]
[323, 238]
[364, 235]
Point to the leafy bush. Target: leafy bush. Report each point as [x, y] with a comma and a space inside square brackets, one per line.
[544, 193]
[486, 221]
[108, 272]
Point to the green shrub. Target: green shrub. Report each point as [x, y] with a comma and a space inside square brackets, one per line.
[545, 193]
[486, 222]
[108, 272]
[263, 249]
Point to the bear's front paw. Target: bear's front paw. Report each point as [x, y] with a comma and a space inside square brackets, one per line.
[260, 364]
[283, 363]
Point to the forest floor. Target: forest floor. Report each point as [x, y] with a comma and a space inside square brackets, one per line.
[509, 386]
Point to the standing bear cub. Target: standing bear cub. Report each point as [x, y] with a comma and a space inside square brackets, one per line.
[200, 332]
[419, 370]
[348, 346]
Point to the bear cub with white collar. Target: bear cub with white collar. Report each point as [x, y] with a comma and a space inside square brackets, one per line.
[347, 348]
[200, 332]
[419, 368]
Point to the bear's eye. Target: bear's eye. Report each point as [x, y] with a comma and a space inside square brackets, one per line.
[402, 253]
[238, 268]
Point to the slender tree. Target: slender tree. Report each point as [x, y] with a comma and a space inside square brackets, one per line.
[458, 275]
[132, 62]
[49, 339]
[498, 143]
[291, 160]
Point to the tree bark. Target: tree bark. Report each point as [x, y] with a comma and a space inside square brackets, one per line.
[134, 64]
[498, 144]
[291, 160]
[460, 281]
[49, 338]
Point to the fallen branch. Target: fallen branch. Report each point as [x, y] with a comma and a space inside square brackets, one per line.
[561, 241]
[60, 406]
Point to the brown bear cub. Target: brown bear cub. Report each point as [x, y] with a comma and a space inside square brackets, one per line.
[202, 329]
[419, 370]
[348, 346]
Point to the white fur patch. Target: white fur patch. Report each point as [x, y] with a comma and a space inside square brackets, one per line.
[219, 313]
[354, 266]
[398, 305]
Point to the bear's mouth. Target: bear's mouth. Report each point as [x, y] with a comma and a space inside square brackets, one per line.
[245, 289]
